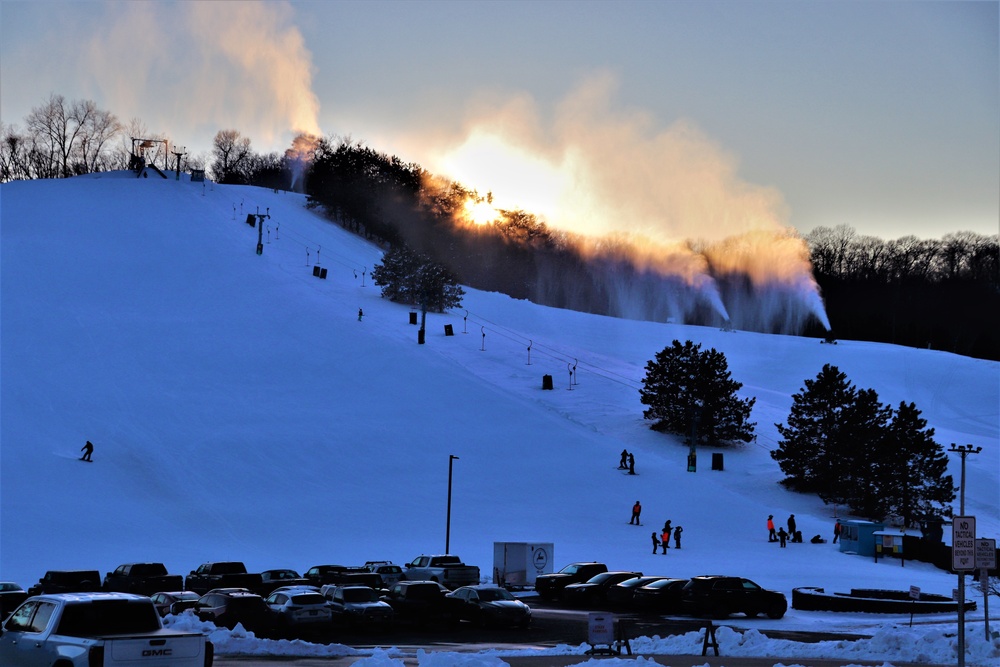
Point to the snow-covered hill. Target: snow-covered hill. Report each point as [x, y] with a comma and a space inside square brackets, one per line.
[240, 410]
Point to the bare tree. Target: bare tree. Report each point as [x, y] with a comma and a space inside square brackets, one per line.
[231, 155]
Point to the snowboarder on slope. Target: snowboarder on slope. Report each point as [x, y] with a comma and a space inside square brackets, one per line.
[361, 314]
[631, 463]
[636, 511]
[87, 450]
[624, 462]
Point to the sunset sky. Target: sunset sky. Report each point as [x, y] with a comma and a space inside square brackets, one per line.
[881, 115]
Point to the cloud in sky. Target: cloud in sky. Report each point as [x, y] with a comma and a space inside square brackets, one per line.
[203, 65]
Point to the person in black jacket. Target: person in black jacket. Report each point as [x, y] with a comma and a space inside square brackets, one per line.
[791, 524]
[87, 450]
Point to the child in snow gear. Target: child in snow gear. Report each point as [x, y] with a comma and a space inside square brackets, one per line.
[665, 541]
[836, 531]
[782, 536]
[656, 542]
[624, 462]
[636, 511]
[677, 537]
[771, 535]
[87, 450]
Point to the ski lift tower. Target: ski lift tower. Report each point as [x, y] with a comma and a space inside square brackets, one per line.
[147, 151]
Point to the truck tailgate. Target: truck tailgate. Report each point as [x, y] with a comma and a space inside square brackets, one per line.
[166, 650]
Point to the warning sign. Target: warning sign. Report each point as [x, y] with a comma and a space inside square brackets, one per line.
[963, 543]
[986, 554]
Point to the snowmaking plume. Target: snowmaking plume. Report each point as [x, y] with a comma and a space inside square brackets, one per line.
[242, 65]
[602, 173]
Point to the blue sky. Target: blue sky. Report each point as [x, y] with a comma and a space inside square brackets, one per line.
[881, 115]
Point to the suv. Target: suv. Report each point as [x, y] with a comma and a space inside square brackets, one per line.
[68, 581]
[549, 586]
[298, 607]
[719, 596]
[390, 572]
[228, 606]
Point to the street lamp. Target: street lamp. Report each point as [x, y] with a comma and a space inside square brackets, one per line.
[963, 451]
[447, 530]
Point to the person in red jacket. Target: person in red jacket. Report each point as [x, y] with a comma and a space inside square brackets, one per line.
[771, 535]
[636, 511]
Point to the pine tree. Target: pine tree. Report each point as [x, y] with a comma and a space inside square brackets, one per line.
[692, 393]
[916, 481]
[812, 440]
[416, 280]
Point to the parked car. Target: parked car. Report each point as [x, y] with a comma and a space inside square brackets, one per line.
[490, 606]
[11, 595]
[719, 596]
[142, 579]
[228, 606]
[321, 575]
[594, 591]
[174, 602]
[661, 597]
[272, 579]
[389, 571]
[550, 586]
[357, 606]
[621, 594]
[298, 607]
[222, 574]
[67, 581]
[423, 603]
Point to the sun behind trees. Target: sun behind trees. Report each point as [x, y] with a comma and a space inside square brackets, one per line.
[841, 443]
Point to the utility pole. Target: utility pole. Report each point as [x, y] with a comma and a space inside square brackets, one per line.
[178, 155]
[447, 529]
[963, 451]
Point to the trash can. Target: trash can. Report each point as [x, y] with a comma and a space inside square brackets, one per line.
[413, 317]
[448, 331]
[717, 461]
[420, 336]
[316, 271]
[322, 274]
[546, 382]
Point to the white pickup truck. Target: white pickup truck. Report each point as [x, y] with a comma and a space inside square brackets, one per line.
[96, 630]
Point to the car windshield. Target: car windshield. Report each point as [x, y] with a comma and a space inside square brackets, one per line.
[598, 578]
[494, 594]
[359, 595]
[106, 617]
[186, 595]
[570, 569]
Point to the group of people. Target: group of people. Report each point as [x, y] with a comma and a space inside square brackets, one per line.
[663, 540]
[627, 462]
[665, 534]
[793, 534]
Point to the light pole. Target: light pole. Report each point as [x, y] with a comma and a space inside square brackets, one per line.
[963, 451]
[447, 529]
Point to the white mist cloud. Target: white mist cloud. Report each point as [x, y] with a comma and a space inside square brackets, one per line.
[193, 68]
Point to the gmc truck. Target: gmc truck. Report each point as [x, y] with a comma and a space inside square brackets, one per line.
[97, 630]
[142, 579]
[226, 574]
[446, 570]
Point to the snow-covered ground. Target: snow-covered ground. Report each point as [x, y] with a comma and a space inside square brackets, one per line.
[240, 411]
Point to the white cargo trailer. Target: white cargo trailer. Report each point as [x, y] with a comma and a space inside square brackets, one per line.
[516, 564]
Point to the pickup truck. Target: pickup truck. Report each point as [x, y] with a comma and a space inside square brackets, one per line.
[550, 586]
[97, 630]
[67, 581]
[447, 570]
[224, 574]
[142, 579]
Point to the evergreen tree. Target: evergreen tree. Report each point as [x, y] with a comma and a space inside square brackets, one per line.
[916, 481]
[861, 458]
[812, 439]
[416, 280]
[691, 392]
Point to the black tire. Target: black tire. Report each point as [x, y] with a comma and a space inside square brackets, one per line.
[776, 612]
